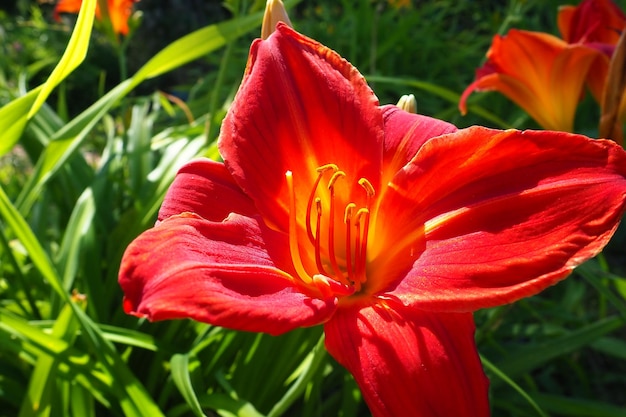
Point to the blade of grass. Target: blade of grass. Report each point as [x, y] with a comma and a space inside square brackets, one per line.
[531, 357]
[15, 115]
[42, 388]
[497, 372]
[180, 374]
[442, 92]
[310, 367]
[73, 56]
[577, 407]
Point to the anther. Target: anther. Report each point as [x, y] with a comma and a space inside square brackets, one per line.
[334, 178]
[327, 167]
[369, 188]
[349, 212]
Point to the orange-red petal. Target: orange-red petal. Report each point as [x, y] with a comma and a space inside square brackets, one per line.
[405, 133]
[223, 273]
[486, 217]
[300, 106]
[205, 187]
[409, 362]
[119, 12]
[67, 6]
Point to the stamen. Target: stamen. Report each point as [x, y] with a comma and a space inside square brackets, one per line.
[347, 219]
[362, 250]
[334, 178]
[309, 232]
[369, 188]
[320, 173]
[331, 227]
[318, 231]
[293, 237]
[327, 167]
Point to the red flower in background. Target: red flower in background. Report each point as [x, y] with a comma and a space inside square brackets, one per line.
[387, 228]
[596, 24]
[119, 12]
[593, 22]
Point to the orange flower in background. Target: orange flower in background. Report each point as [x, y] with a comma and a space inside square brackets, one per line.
[119, 12]
[545, 75]
[596, 24]
[541, 73]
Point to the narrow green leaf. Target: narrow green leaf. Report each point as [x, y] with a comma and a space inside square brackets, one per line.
[73, 238]
[496, 371]
[578, 407]
[25, 235]
[15, 115]
[13, 119]
[528, 358]
[196, 45]
[309, 368]
[180, 374]
[42, 385]
[611, 346]
[72, 57]
[227, 406]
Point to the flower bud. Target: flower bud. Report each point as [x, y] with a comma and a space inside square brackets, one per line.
[274, 12]
[408, 103]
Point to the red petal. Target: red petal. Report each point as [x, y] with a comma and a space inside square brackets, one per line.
[410, 362]
[598, 21]
[206, 188]
[300, 106]
[226, 274]
[405, 133]
[488, 217]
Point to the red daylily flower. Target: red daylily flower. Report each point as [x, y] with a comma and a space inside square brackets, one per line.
[387, 228]
[596, 24]
[541, 73]
[119, 12]
[593, 22]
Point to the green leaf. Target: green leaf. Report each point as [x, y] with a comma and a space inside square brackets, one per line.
[528, 358]
[73, 56]
[196, 45]
[496, 371]
[577, 407]
[15, 115]
[13, 119]
[180, 375]
[42, 388]
[227, 406]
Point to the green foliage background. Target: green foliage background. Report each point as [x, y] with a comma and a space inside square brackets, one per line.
[90, 146]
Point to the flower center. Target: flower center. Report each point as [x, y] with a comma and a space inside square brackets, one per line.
[336, 232]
